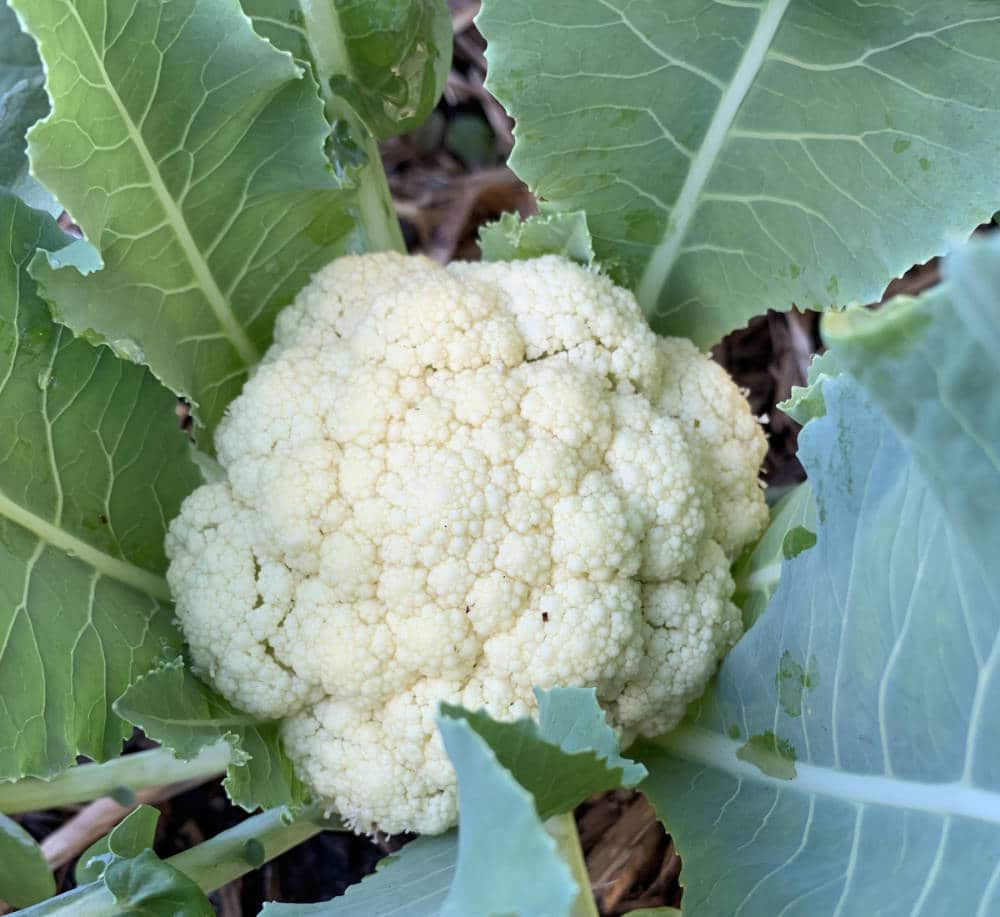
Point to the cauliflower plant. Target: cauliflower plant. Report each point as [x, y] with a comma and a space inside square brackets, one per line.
[456, 484]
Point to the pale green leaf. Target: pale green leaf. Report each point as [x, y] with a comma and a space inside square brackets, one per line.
[191, 153]
[566, 757]
[507, 863]
[792, 530]
[847, 760]
[387, 60]
[735, 156]
[128, 838]
[509, 774]
[548, 233]
[411, 883]
[25, 877]
[184, 714]
[93, 466]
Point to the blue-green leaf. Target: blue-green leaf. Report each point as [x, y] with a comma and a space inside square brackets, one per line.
[846, 761]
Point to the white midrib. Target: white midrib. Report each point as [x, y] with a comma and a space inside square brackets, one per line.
[956, 798]
[203, 276]
[105, 564]
[668, 249]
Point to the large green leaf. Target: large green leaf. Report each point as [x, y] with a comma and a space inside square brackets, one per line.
[190, 152]
[91, 468]
[25, 877]
[184, 714]
[847, 761]
[734, 156]
[411, 883]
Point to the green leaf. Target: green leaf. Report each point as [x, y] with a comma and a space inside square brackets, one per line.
[507, 863]
[387, 60]
[93, 466]
[806, 401]
[25, 877]
[873, 674]
[734, 156]
[570, 754]
[129, 838]
[190, 152]
[22, 103]
[183, 713]
[146, 886]
[411, 883]
[548, 233]
[757, 573]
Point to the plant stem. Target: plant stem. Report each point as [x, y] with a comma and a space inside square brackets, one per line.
[211, 865]
[562, 828]
[247, 846]
[131, 772]
[328, 47]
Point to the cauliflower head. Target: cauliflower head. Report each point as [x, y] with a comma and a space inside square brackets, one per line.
[457, 484]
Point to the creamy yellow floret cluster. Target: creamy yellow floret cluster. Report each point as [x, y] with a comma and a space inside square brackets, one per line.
[457, 484]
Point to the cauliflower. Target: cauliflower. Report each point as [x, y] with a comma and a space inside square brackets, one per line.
[457, 484]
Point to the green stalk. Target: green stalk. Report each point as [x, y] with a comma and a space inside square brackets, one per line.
[562, 829]
[129, 772]
[248, 846]
[211, 865]
[330, 58]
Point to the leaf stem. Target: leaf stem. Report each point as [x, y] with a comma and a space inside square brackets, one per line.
[328, 47]
[248, 846]
[225, 857]
[562, 829]
[129, 772]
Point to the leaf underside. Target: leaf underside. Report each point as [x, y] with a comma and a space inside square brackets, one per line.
[734, 156]
[871, 679]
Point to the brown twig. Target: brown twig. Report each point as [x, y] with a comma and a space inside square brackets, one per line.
[98, 818]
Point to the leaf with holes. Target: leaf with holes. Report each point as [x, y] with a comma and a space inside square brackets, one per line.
[735, 156]
[190, 152]
[847, 759]
[92, 468]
